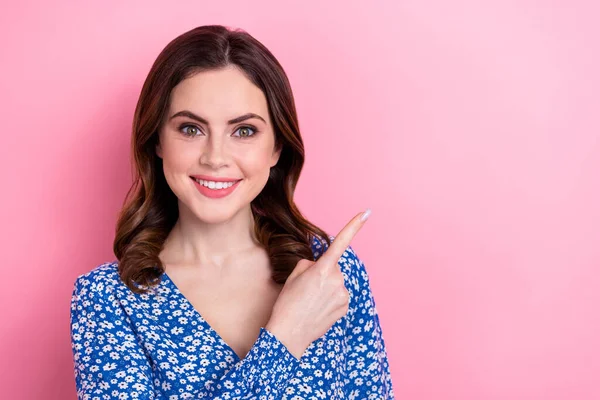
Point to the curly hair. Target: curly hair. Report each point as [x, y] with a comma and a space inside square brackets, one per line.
[150, 207]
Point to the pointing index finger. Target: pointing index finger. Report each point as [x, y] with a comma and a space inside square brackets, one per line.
[343, 239]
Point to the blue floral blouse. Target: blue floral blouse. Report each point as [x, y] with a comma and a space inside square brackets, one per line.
[157, 346]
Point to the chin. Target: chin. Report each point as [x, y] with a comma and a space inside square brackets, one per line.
[212, 214]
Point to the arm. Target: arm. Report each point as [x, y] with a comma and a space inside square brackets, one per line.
[368, 373]
[262, 374]
[110, 361]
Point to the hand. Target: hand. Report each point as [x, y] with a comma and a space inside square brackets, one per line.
[314, 296]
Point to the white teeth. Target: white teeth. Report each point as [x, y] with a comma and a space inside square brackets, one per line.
[215, 185]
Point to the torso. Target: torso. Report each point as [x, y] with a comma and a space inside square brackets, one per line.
[235, 301]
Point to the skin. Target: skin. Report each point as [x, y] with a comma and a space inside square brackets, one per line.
[211, 253]
[215, 231]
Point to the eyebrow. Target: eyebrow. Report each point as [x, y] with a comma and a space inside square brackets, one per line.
[189, 114]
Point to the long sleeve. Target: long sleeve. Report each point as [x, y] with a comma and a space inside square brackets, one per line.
[261, 374]
[108, 361]
[368, 372]
[111, 362]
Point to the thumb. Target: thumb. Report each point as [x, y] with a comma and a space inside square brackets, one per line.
[300, 267]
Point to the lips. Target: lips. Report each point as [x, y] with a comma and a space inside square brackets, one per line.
[215, 193]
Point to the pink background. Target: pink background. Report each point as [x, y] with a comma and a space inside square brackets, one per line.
[469, 127]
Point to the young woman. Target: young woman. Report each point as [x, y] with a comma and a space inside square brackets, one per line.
[222, 289]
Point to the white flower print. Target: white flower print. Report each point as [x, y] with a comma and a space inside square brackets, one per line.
[157, 346]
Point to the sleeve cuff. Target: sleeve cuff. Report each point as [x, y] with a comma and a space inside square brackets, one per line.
[270, 361]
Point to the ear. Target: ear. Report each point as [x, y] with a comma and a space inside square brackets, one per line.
[158, 150]
[276, 155]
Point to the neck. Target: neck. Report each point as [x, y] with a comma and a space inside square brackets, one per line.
[196, 242]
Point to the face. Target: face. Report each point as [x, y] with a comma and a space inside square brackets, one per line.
[215, 146]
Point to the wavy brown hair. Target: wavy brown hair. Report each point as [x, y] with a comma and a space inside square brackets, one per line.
[150, 208]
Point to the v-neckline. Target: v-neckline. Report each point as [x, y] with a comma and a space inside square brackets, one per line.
[201, 319]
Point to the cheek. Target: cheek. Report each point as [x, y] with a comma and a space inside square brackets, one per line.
[256, 162]
[178, 158]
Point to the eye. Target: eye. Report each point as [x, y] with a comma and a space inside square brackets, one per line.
[245, 129]
[193, 132]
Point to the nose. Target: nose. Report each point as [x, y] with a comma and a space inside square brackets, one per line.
[214, 153]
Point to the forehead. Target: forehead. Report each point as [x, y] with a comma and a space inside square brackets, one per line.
[219, 95]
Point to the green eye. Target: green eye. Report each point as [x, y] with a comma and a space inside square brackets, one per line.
[189, 133]
[247, 133]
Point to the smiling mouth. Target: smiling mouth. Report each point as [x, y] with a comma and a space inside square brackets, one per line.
[215, 185]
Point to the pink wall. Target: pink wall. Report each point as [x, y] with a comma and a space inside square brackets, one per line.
[470, 128]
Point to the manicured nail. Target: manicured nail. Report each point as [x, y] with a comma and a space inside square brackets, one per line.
[365, 215]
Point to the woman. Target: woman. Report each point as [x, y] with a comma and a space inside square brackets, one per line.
[222, 289]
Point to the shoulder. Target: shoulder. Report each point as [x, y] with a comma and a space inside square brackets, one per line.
[97, 283]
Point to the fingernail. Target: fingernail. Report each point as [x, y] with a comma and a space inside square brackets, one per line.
[365, 215]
